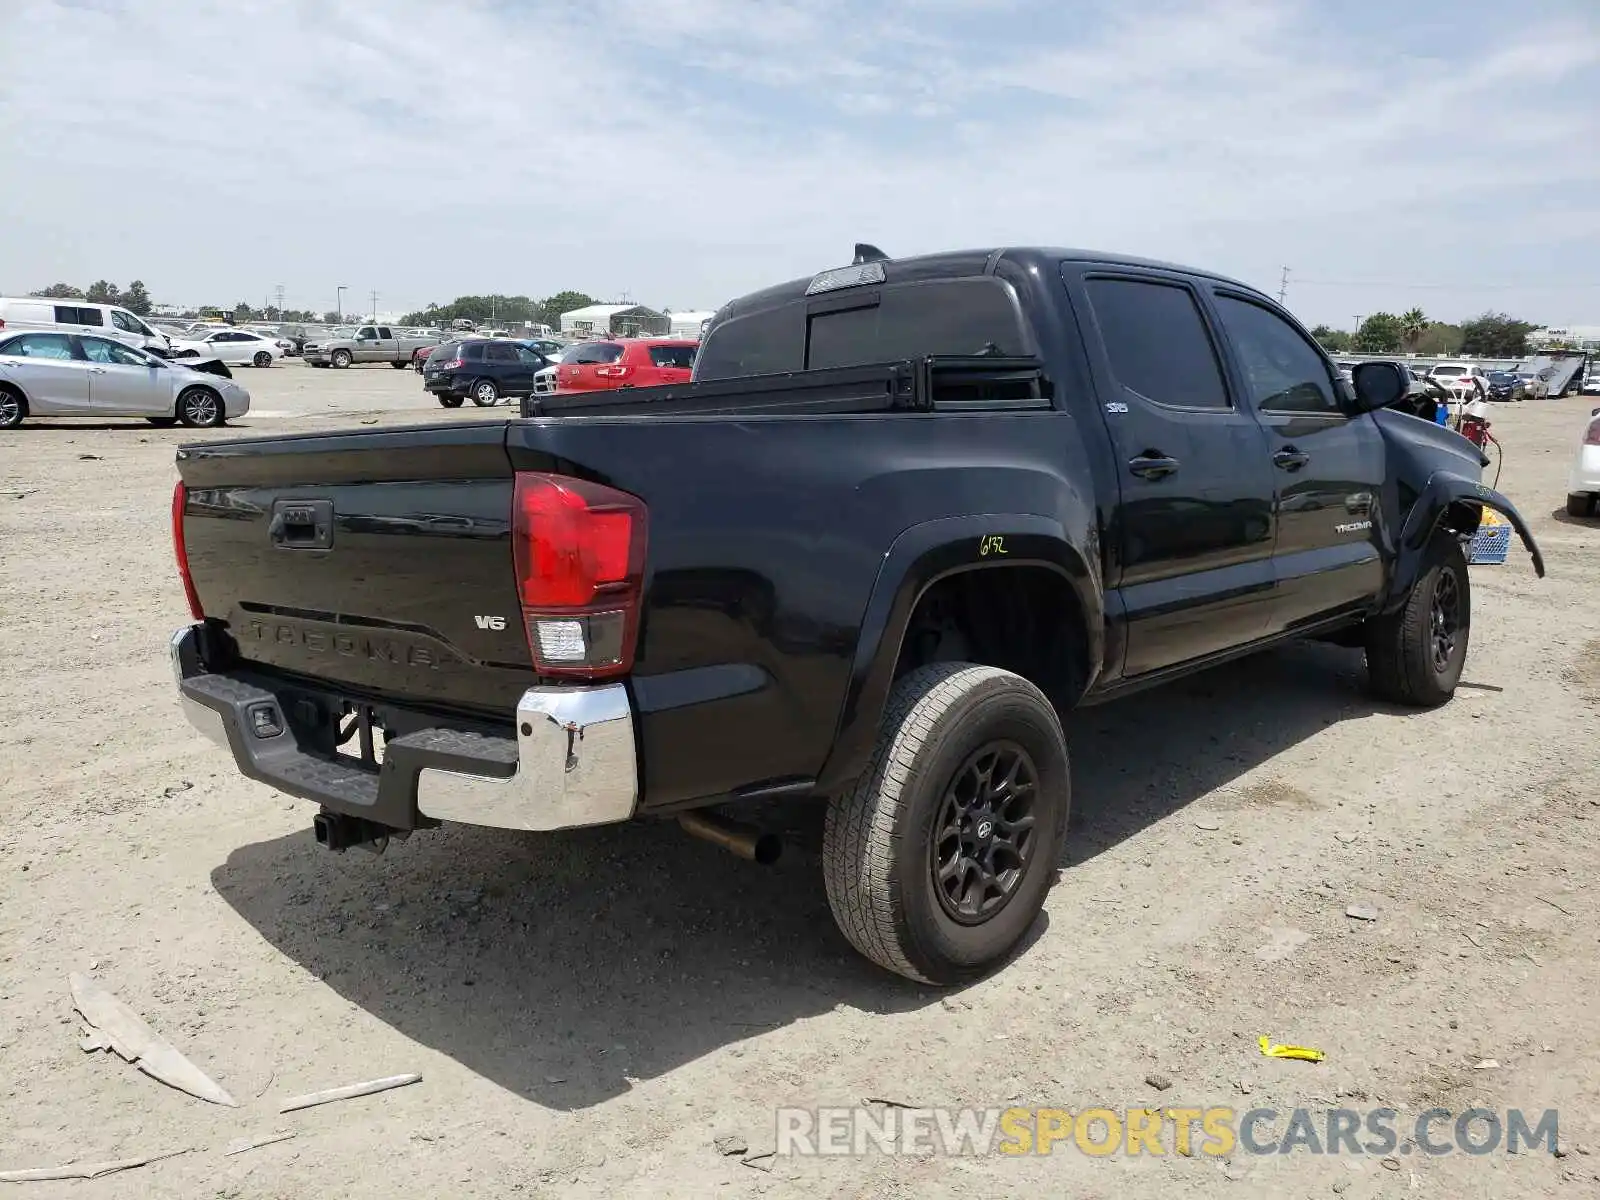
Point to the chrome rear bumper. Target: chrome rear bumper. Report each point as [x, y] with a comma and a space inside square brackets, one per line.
[572, 759]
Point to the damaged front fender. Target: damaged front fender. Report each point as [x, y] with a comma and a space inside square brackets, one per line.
[1458, 503]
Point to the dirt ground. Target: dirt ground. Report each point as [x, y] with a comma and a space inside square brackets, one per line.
[590, 1011]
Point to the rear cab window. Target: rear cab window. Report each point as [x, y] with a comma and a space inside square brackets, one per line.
[864, 326]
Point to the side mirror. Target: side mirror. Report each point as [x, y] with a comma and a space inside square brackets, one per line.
[1379, 384]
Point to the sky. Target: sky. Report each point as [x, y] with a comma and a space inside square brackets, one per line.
[1442, 154]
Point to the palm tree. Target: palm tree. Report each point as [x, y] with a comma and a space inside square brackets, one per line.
[1413, 325]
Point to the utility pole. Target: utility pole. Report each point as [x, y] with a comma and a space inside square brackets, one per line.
[339, 302]
[1283, 285]
[374, 306]
[280, 302]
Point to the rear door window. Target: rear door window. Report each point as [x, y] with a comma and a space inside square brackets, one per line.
[681, 357]
[1157, 343]
[385, 332]
[38, 345]
[500, 352]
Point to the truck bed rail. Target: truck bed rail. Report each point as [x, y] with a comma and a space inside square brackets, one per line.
[936, 383]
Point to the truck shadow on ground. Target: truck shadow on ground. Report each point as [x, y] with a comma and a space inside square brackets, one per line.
[564, 966]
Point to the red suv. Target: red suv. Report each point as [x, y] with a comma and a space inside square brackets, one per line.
[637, 362]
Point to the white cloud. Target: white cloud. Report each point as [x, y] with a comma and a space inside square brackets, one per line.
[692, 149]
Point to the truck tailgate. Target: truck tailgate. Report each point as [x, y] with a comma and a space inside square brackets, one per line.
[380, 560]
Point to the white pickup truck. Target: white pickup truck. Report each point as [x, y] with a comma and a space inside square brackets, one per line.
[346, 347]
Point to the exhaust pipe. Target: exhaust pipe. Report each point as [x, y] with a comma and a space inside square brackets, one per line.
[737, 838]
[338, 833]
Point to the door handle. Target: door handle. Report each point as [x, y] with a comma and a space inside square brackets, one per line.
[97, 370]
[1290, 459]
[1151, 465]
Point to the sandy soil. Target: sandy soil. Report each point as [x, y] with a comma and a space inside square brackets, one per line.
[590, 1011]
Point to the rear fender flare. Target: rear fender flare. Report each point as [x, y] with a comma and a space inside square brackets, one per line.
[920, 557]
[1446, 489]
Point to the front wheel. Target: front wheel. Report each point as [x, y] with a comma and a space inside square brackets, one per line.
[201, 408]
[262, 359]
[1415, 656]
[485, 394]
[938, 861]
[341, 359]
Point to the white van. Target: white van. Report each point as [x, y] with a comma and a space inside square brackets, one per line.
[79, 316]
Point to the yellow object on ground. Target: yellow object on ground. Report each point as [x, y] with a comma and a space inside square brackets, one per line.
[1304, 1053]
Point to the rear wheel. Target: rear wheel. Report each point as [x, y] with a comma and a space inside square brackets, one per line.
[938, 861]
[13, 407]
[1415, 656]
[200, 408]
[450, 401]
[1579, 504]
[341, 358]
[262, 359]
[485, 394]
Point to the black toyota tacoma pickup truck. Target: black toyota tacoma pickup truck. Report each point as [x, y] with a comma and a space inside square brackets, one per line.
[907, 513]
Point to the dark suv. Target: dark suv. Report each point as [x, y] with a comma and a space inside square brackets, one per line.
[482, 368]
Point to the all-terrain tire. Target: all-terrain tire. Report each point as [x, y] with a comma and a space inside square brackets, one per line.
[881, 849]
[1415, 655]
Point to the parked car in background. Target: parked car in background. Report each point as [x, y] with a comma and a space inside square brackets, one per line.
[634, 362]
[1535, 384]
[80, 316]
[1592, 382]
[1583, 486]
[1504, 386]
[1464, 378]
[367, 344]
[487, 369]
[240, 347]
[49, 374]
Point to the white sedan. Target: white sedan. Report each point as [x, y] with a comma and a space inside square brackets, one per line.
[236, 347]
[1583, 485]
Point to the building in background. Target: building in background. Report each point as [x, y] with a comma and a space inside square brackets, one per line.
[614, 320]
[689, 324]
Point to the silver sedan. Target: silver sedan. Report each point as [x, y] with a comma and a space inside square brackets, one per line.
[79, 375]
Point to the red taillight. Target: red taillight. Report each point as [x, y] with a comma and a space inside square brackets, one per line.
[616, 372]
[180, 497]
[579, 550]
[455, 364]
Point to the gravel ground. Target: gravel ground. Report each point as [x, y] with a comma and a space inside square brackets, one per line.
[591, 1011]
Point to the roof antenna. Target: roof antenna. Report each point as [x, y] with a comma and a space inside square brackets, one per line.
[866, 252]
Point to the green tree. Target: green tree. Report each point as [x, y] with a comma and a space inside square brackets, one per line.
[1413, 325]
[1379, 334]
[331, 317]
[136, 299]
[243, 312]
[1440, 340]
[103, 292]
[1334, 341]
[59, 291]
[551, 308]
[1495, 335]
